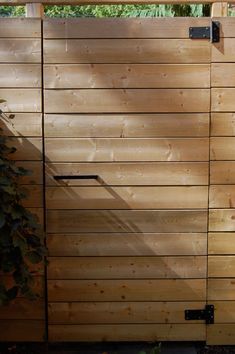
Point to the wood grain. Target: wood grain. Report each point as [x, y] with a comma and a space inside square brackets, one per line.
[127, 267]
[22, 330]
[23, 309]
[23, 124]
[60, 221]
[222, 172]
[20, 75]
[126, 76]
[20, 50]
[128, 100]
[224, 51]
[127, 244]
[121, 312]
[21, 100]
[140, 51]
[221, 334]
[221, 266]
[222, 148]
[115, 150]
[221, 243]
[222, 196]
[34, 196]
[127, 126]
[222, 220]
[222, 124]
[141, 332]
[222, 99]
[120, 27]
[221, 289]
[27, 148]
[20, 27]
[135, 197]
[36, 168]
[127, 290]
[224, 311]
[155, 173]
[222, 74]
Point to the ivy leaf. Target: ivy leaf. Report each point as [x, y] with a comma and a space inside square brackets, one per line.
[34, 257]
[2, 219]
[12, 293]
[19, 241]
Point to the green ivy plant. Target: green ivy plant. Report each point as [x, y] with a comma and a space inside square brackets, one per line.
[20, 244]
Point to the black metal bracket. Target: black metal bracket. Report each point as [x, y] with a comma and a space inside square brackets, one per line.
[209, 32]
[76, 177]
[207, 314]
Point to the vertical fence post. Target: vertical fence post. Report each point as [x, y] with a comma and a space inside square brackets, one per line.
[219, 9]
[34, 10]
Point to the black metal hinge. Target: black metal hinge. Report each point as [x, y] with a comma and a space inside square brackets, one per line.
[207, 314]
[210, 32]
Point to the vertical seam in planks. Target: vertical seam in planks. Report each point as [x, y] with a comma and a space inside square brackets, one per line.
[44, 181]
[209, 179]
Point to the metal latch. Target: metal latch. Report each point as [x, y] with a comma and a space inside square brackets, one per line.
[210, 32]
[207, 314]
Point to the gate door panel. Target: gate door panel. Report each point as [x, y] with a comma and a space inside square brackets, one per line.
[127, 105]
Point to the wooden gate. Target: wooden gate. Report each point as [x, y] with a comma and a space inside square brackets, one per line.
[138, 140]
[127, 105]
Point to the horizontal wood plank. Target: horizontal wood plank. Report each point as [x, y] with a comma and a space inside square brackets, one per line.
[132, 197]
[224, 51]
[20, 75]
[222, 74]
[127, 100]
[21, 100]
[222, 172]
[23, 124]
[127, 290]
[120, 27]
[222, 99]
[115, 150]
[23, 309]
[120, 312]
[127, 332]
[60, 221]
[36, 169]
[127, 126]
[156, 173]
[22, 330]
[136, 244]
[222, 196]
[227, 25]
[222, 148]
[95, 76]
[222, 124]
[221, 266]
[224, 311]
[20, 50]
[221, 243]
[78, 51]
[221, 289]
[26, 148]
[34, 197]
[127, 267]
[222, 220]
[221, 334]
[20, 27]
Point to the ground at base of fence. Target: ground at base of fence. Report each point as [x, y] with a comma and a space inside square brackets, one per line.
[115, 348]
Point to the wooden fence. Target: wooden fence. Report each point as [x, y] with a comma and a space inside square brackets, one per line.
[150, 114]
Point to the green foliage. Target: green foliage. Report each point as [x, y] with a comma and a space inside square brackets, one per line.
[20, 244]
[114, 11]
[155, 350]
